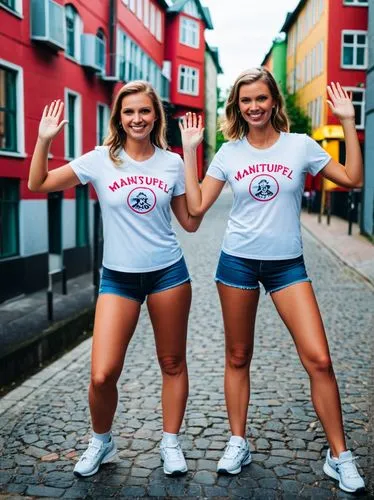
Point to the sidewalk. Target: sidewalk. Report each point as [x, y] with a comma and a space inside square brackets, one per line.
[45, 423]
[355, 251]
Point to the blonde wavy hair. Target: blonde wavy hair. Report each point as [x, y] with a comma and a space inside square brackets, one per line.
[116, 137]
[233, 125]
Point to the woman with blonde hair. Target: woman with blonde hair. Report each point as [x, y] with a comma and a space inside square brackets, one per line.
[137, 182]
[265, 166]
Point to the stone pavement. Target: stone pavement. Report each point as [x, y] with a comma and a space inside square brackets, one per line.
[44, 424]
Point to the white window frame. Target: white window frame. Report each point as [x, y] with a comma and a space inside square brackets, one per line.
[355, 3]
[359, 126]
[78, 31]
[146, 13]
[152, 19]
[126, 2]
[20, 153]
[355, 33]
[191, 9]
[18, 12]
[77, 124]
[139, 9]
[189, 78]
[189, 32]
[132, 5]
[106, 115]
[158, 25]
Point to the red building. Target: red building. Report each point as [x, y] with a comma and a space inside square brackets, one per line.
[82, 52]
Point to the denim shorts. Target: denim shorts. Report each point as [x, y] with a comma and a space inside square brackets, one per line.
[246, 274]
[136, 286]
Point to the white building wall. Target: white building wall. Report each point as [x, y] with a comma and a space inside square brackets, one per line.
[33, 227]
[210, 107]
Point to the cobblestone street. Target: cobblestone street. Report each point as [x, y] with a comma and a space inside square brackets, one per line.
[42, 435]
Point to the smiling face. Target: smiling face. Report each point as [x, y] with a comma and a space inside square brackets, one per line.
[256, 104]
[137, 116]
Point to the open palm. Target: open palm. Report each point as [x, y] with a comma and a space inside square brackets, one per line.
[192, 131]
[340, 102]
[50, 124]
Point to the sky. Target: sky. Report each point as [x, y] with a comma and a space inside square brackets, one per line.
[243, 32]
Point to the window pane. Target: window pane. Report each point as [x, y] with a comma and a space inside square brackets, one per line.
[361, 39]
[348, 38]
[70, 25]
[357, 96]
[81, 203]
[8, 108]
[8, 3]
[360, 56]
[9, 201]
[348, 56]
[71, 125]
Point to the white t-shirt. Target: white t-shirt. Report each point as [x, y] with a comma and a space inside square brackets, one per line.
[267, 184]
[135, 205]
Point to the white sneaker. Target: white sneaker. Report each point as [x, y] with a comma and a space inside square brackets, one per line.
[236, 455]
[344, 470]
[96, 454]
[173, 458]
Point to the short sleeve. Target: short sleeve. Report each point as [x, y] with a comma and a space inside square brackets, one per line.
[179, 187]
[317, 158]
[216, 168]
[86, 166]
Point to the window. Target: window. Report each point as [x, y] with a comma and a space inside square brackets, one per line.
[191, 9]
[9, 207]
[132, 5]
[73, 32]
[146, 13]
[354, 49]
[359, 3]
[188, 80]
[139, 9]
[8, 110]
[103, 113]
[358, 101]
[15, 6]
[189, 32]
[158, 26]
[152, 23]
[73, 137]
[81, 215]
[100, 49]
[12, 138]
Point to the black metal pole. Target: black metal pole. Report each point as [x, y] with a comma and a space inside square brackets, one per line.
[64, 283]
[350, 211]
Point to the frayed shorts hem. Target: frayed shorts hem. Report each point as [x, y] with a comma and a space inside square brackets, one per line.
[217, 280]
[304, 280]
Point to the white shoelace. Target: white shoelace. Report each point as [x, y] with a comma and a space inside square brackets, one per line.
[92, 451]
[349, 467]
[232, 451]
[173, 451]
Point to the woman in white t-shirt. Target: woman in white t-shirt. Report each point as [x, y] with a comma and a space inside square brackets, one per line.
[137, 182]
[265, 166]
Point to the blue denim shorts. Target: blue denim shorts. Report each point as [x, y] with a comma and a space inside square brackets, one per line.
[248, 273]
[136, 286]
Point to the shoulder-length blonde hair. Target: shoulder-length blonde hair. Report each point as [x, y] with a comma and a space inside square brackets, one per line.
[117, 136]
[234, 126]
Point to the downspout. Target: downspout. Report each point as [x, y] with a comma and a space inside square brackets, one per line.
[112, 36]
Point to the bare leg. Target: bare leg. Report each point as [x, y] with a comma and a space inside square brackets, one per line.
[239, 312]
[298, 309]
[115, 322]
[168, 311]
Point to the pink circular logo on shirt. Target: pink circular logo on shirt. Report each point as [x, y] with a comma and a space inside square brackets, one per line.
[263, 187]
[141, 200]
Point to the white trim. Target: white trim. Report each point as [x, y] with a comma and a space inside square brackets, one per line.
[158, 25]
[77, 124]
[18, 12]
[354, 65]
[106, 119]
[146, 13]
[139, 9]
[362, 91]
[355, 3]
[189, 80]
[20, 125]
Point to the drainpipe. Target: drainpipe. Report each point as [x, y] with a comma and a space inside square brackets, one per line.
[112, 36]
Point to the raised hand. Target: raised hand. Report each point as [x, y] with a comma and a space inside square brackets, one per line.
[340, 102]
[50, 124]
[192, 131]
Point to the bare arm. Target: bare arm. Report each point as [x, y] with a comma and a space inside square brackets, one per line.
[40, 179]
[187, 221]
[199, 198]
[349, 175]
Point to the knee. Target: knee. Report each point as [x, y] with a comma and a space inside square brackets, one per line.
[320, 365]
[238, 358]
[172, 365]
[103, 380]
